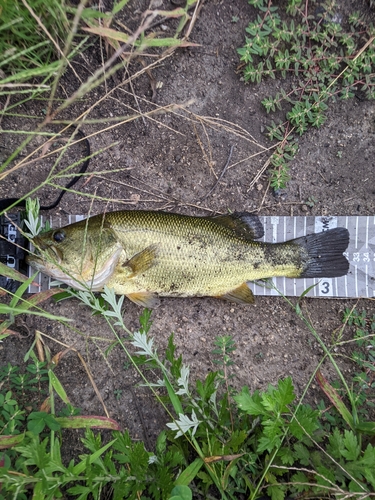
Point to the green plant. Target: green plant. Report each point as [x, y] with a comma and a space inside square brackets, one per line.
[311, 201]
[364, 358]
[219, 441]
[118, 393]
[25, 36]
[283, 447]
[33, 380]
[32, 440]
[323, 59]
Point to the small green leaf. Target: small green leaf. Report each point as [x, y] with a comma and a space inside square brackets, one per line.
[250, 404]
[300, 482]
[305, 422]
[366, 428]
[276, 493]
[188, 475]
[56, 384]
[38, 420]
[302, 454]
[286, 456]
[181, 493]
[353, 449]
[81, 466]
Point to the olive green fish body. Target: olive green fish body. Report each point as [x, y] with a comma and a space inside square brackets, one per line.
[195, 256]
[143, 254]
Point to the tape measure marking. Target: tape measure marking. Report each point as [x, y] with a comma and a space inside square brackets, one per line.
[360, 281]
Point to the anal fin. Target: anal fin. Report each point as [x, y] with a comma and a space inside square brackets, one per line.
[240, 295]
[144, 299]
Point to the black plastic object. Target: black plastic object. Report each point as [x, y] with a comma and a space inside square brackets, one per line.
[12, 244]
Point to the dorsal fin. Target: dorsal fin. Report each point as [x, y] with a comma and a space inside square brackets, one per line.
[242, 224]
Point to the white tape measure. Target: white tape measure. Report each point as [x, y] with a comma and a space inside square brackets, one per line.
[359, 282]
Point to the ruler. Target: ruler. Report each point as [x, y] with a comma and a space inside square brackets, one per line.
[359, 282]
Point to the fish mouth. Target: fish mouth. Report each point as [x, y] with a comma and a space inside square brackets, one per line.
[44, 258]
[55, 254]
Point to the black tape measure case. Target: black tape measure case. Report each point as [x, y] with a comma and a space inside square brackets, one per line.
[12, 244]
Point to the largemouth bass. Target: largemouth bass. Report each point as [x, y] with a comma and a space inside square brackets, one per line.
[145, 254]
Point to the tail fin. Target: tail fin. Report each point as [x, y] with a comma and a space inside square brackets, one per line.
[325, 257]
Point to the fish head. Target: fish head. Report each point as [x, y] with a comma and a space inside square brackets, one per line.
[83, 255]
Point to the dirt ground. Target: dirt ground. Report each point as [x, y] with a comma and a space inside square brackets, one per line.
[171, 162]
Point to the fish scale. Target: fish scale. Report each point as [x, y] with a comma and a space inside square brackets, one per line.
[194, 244]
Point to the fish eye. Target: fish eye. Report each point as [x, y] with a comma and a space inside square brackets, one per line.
[58, 236]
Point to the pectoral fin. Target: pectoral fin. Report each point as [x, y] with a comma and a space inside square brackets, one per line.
[240, 295]
[141, 261]
[144, 299]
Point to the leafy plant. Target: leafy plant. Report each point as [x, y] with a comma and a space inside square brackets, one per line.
[311, 201]
[323, 57]
[25, 36]
[364, 358]
[219, 441]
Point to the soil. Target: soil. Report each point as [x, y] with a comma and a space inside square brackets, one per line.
[170, 162]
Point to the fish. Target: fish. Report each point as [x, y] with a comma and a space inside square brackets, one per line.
[145, 255]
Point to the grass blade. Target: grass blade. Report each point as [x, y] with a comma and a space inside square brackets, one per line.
[188, 475]
[335, 399]
[83, 422]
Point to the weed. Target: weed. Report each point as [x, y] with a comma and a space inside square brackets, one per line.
[25, 36]
[117, 393]
[364, 358]
[324, 61]
[220, 441]
[311, 201]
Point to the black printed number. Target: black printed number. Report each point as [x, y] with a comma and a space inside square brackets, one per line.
[325, 287]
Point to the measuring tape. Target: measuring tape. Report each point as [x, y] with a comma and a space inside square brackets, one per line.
[359, 282]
